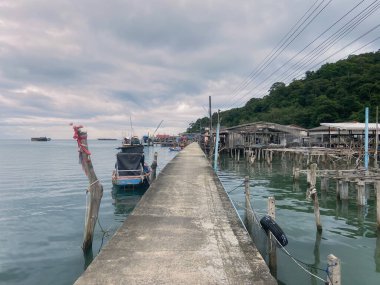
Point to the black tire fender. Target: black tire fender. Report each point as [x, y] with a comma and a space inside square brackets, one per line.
[268, 224]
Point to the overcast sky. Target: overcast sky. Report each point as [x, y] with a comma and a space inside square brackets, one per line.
[100, 63]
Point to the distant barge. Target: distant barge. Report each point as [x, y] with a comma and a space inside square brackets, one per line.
[40, 139]
[106, 139]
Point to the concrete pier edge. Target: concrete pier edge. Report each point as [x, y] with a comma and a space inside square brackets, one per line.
[184, 230]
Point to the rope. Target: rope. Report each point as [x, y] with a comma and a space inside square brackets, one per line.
[297, 261]
[235, 188]
[105, 234]
[89, 187]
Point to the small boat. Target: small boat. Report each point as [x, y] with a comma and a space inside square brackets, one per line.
[40, 139]
[130, 168]
[175, 148]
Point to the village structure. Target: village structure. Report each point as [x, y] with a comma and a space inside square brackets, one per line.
[346, 153]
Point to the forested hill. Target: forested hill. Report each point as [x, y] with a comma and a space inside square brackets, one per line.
[336, 92]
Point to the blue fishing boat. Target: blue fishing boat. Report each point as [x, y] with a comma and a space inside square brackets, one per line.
[130, 168]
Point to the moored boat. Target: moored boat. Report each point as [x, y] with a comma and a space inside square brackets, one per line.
[130, 168]
[40, 139]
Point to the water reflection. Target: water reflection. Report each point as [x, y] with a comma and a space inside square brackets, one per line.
[377, 252]
[88, 257]
[125, 199]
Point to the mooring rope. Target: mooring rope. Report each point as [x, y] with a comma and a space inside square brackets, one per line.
[235, 188]
[297, 261]
[106, 233]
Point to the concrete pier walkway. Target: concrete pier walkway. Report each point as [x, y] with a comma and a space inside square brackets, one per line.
[183, 231]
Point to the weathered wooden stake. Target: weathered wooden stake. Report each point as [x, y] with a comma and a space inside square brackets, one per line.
[95, 190]
[339, 184]
[272, 239]
[334, 269]
[324, 183]
[154, 167]
[296, 174]
[314, 195]
[344, 189]
[248, 207]
[378, 206]
[361, 198]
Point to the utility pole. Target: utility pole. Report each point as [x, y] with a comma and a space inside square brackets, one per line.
[210, 131]
[377, 135]
[366, 139]
[216, 144]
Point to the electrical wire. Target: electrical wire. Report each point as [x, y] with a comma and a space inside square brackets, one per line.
[283, 48]
[308, 45]
[329, 42]
[280, 49]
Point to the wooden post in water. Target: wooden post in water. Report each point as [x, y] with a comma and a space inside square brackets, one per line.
[324, 182]
[334, 270]
[248, 207]
[339, 184]
[272, 241]
[296, 174]
[154, 167]
[378, 206]
[344, 189]
[314, 195]
[361, 198]
[95, 189]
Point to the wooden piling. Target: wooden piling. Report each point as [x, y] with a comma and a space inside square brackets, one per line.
[296, 174]
[314, 195]
[378, 205]
[324, 183]
[334, 269]
[248, 207]
[95, 189]
[344, 189]
[154, 167]
[338, 184]
[361, 196]
[272, 240]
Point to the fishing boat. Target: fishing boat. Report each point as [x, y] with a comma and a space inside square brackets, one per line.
[40, 139]
[131, 171]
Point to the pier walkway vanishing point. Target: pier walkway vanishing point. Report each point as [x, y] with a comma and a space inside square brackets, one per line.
[184, 230]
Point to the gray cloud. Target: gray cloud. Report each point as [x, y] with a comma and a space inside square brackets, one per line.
[99, 62]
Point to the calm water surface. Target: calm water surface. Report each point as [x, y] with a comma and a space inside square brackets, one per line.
[349, 232]
[42, 208]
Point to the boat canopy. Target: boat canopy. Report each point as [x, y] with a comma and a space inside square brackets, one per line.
[129, 163]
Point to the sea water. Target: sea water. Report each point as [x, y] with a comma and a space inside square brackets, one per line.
[349, 231]
[43, 201]
[42, 208]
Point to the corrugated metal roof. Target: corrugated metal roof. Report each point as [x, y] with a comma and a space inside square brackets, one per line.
[352, 126]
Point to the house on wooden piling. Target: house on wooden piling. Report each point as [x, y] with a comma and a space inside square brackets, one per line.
[264, 134]
[345, 135]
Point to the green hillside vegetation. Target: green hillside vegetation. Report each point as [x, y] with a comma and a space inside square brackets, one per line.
[337, 92]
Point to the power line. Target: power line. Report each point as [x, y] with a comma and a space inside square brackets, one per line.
[329, 42]
[270, 57]
[283, 48]
[320, 35]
